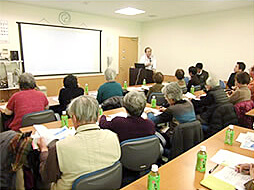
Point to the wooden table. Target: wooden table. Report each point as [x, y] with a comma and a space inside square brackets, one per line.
[180, 174]
[57, 124]
[250, 113]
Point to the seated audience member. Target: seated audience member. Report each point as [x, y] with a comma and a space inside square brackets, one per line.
[251, 84]
[110, 88]
[215, 96]
[134, 126]
[247, 169]
[179, 74]
[26, 101]
[239, 67]
[201, 74]
[90, 149]
[242, 93]
[180, 110]
[70, 91]
[194, 81]
[158, 79]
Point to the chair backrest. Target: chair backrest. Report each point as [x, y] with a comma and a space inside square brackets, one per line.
[222, 84]
[109, 178]
[186, 79]
[185, 136]
[38, 118]
[241, 108]
[112, 103]
[140, 153]
[160, 99]
[197, 88]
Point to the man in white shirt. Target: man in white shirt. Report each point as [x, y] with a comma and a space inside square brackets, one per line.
[148, 59]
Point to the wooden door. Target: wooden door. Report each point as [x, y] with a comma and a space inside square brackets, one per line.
[128, 55]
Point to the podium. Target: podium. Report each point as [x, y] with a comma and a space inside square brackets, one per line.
[137, 75]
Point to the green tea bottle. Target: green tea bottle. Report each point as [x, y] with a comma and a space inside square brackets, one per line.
[153, 179]
[100, 110]
[144, 82]
[64, 119]
[125, 85]
[192, 89]
[86, 89]
[229, 138]
[201, 159]
[153, 102]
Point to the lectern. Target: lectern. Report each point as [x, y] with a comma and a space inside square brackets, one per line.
[137, 75]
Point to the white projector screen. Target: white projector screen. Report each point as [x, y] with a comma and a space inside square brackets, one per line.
[48, 50]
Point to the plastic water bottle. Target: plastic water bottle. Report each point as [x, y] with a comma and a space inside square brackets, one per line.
[86, 89]
[100, 110]
[201, 159]
[144, 82]
[153, 179]
[64, 119]
[229, 138]
[192, 89]
[153, 102]
[125, 85]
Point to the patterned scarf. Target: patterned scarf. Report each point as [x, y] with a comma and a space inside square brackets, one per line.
[20, 146]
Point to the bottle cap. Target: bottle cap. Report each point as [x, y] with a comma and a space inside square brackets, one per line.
[125, 81]
[154, 168]
[231, 127]
[153, 97]
[203, 148]
[63, 112]
[99, 106]
[86, 84]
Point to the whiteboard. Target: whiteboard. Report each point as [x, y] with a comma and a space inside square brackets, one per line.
[48, 50]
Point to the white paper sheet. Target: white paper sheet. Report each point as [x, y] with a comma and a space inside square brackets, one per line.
[190, 95]
[3, 106]
[231, 159]
[241, 137]
[230, 176]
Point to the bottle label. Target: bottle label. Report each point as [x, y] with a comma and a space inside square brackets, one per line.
[229, 138]
[100, 111]
[192, 90]
[125, 86]
[86, 90]
[153, 182]
[201, 162]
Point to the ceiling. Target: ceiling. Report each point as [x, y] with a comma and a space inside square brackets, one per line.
[154, 9]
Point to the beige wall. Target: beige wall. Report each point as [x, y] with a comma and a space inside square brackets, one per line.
[111, 30]
[217, 39]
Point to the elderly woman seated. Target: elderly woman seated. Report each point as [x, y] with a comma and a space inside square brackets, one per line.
[180, 110]
[110, 88]
[134, 126]
[27, 100]
[158, 79]
[90, 149]
[215, 96]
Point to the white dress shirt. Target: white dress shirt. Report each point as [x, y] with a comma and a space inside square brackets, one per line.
[144, 59]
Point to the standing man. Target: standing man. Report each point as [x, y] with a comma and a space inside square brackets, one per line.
[148, 59]
[239, 67]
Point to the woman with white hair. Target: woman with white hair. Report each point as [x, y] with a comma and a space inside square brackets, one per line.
[180, 110]
[133, 126]
[110, 88]
[89, 150]
[215, 96]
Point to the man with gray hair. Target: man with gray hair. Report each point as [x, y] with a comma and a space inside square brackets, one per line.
[180, 110]
[133, 126]
[215, 96]
[110, 88]
[90, 149]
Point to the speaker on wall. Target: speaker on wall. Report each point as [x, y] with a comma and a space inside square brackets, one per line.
[14, 55]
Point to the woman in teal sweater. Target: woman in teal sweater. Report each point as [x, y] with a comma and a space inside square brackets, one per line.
[110, 88]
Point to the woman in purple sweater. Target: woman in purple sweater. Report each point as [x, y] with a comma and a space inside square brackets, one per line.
[133, 126]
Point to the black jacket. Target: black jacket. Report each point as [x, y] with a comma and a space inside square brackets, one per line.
[193, 81]
[203, 77]
[231, 80]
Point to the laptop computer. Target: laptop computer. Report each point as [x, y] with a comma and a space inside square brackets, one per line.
[140, 65]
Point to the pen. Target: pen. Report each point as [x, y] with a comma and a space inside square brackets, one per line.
[211, 170]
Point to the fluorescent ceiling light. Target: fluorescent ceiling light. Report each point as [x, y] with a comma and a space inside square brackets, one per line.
[129, 11]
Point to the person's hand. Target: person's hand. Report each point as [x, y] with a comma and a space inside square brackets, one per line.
[243, 168]
[42, 144]
[162, 109]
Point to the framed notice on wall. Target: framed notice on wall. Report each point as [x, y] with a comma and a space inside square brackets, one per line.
[4, 33]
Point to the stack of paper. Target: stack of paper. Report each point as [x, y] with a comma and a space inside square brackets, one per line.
[51, 134]
[246, 140]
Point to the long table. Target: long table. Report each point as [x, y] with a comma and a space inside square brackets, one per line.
[180, 174]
